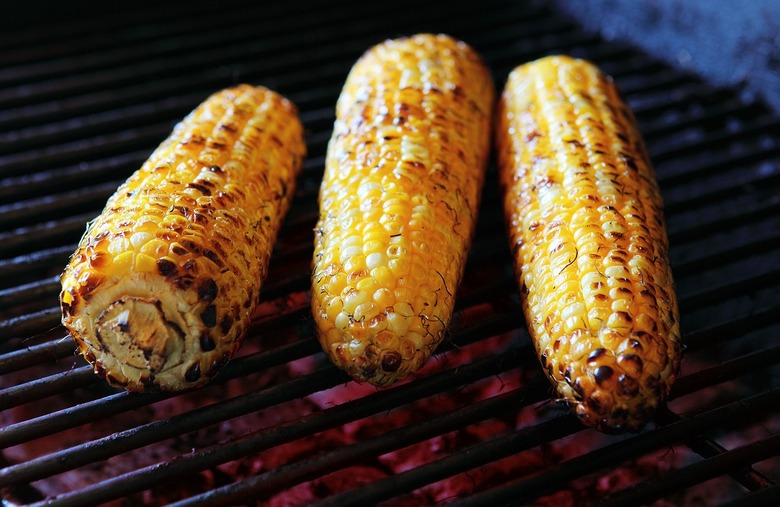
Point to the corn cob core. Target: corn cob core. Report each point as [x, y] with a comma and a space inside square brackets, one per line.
[160, 290]
[585, 219]
[398, 203]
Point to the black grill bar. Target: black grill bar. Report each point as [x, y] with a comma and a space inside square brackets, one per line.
[308, 425]
[86, 100]
[729, 461]
[529, 489]
[767, 496]
[343, 456]
[502, 447]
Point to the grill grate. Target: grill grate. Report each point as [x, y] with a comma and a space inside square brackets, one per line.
[85, 97]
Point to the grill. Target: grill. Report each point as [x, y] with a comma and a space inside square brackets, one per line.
[85, 97]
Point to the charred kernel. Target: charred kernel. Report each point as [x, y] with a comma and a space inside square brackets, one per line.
[620, 414]
[193, 373]
[89, 356]
[207, 290]
[594, 404]
[212, 256]
[372, 351]
[89, 283]
[98, 260]
[628, 385]
[631, 361]
[597, 353]
[391, 361]
[166, 267]
[215, 367]
[207, 342]
[602, 374]
[209, 316]
[113, 380]
[184, 282]
[226, 324]
[191, 246]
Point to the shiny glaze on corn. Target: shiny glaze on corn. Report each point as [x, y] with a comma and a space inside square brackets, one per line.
[398, 203]
[586, 225]
[159, 293]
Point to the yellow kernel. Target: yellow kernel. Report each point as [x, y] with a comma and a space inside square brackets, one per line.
[353, 240]
[155, 248]
[341, 321]
[384, 298]
[621, 305]
[140, 238]
[399, 266]
[118, 245]
[349, 252]
[383, 276]
[376, 259]
[578, 349]
[355, 263]
[123, 262]
[404, 309]
[378, 322]
[618, 320]
[646, 323]
[367, 284]
[401, 241]
[365, 311]
[372, 246]
[145, 263]
[398, 324]
[573, 310]
[353, 298]
[333, 308]
[367, 189]
[337, 283]
[403, 294]
[597, 317]
[616, 272]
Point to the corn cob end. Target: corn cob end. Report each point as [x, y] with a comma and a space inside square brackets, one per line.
[160, 290]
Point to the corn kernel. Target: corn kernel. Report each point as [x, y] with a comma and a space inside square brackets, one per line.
[384, 298]
[145, 263]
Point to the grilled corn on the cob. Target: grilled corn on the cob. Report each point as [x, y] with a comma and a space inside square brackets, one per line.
[585, 219]
[398, 203]
[160, 290]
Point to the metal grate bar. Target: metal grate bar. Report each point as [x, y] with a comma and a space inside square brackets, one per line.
[767, 496]
[707, 448]
[451, 465]
[88, 100]
[344, 456]
[311, 424]
[741, 411]
[655, 489]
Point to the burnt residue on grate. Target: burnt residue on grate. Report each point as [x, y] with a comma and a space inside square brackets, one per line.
[85, 99]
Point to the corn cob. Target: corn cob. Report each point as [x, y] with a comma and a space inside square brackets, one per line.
[586, 225]
[159, 292]
[398, 203]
